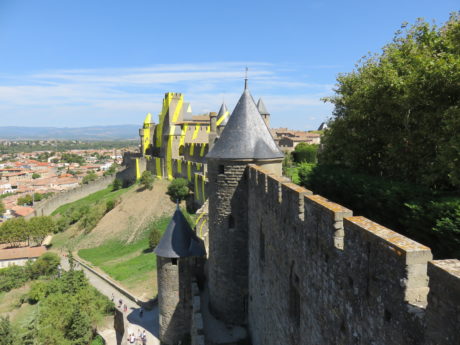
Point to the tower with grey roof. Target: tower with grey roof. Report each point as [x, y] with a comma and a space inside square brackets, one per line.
[244, 140]
[175, 266]
[263, 112]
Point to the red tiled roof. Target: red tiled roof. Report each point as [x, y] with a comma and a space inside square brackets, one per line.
[22, 210]
[21, 253]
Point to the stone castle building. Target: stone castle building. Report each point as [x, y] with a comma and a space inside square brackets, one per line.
[269, 262]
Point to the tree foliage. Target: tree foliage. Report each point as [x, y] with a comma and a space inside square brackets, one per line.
[178, 189]
[147, 180]
[304, 152]
[25, 200]
[89, 177]
[398, 114]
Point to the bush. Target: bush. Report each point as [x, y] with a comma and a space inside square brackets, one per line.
[154, 236]
[109, 205]
[147, 180]
[90, 219]
[117, 184]
[36, 175]
[90, 176]
[25, 200]
[12, 277]
[178, 190]
[304, 152]
[46, 265]
[98, 340]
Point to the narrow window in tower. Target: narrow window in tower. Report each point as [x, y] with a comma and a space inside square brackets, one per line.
[174, 261]
[231, 222]
[221, 169]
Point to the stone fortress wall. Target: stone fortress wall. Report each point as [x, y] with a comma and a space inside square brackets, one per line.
[47, 206]
[319, 275]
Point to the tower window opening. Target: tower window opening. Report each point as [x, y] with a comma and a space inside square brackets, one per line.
[174, 261]
[221, 169]
[231, 222]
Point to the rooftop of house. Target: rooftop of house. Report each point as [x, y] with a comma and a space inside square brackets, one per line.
[21, 253]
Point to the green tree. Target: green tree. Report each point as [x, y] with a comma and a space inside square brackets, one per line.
[90, 176]
[79, 330]
[147, 180]
[178, 189]
[14, 231]
[45, 265]
[304, 152]
[36, 175]
[154, 236]
[7, 335]
[117, 184]
[112, 170]
[39, 227]
[398, 114]
[25, 200]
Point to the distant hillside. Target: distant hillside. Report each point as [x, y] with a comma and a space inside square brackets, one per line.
[66, 133]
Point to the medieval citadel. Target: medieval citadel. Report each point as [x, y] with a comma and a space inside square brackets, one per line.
[270, 262]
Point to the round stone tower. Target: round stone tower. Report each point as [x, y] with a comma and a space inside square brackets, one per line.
[174, 273]
[245, 139]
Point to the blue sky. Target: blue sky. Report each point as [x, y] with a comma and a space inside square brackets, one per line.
[87, 62]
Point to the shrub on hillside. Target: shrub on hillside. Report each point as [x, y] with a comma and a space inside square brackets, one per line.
[154, 237]
[117, 184]
[178, 189]
[110, 205]
[147, 180]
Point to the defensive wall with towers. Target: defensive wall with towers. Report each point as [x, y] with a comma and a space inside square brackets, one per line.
[276, 264]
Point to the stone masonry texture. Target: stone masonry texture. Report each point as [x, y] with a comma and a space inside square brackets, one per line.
[228, 240]
[174, 299]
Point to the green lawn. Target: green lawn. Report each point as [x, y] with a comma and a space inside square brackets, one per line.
[128, 263]
[100, 196]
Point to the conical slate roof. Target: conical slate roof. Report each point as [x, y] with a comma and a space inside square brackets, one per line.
[179, 240]
[223, 115]
[245, 136]
[261, 107]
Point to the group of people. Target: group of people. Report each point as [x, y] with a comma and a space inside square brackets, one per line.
[140, 339]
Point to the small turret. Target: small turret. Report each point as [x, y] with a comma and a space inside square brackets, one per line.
[263, 112]
[222, 117]
[174, 273]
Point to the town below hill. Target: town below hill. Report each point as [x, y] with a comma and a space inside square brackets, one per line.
[116, 132]
[28, 177]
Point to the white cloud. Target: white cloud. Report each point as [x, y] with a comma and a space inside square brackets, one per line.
[123, 95]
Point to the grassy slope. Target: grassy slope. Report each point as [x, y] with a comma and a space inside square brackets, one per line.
[130, 263]
[103, 195]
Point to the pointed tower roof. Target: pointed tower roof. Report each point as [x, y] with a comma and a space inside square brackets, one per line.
[223, 115]
[245, 136]
[261, 107]
[148, 120]
[179, 240]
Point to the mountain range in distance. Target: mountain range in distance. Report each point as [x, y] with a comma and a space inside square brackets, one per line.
[116, 132]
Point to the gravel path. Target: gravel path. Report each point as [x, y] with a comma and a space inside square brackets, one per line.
[133, 322]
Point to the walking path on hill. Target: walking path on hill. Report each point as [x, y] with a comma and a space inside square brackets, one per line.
[132, 321]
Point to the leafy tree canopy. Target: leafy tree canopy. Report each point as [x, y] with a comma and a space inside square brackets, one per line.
[147, 179]
[178, 189]
[398, 113]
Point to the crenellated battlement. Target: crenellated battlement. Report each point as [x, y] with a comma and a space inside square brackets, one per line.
[355, 280]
